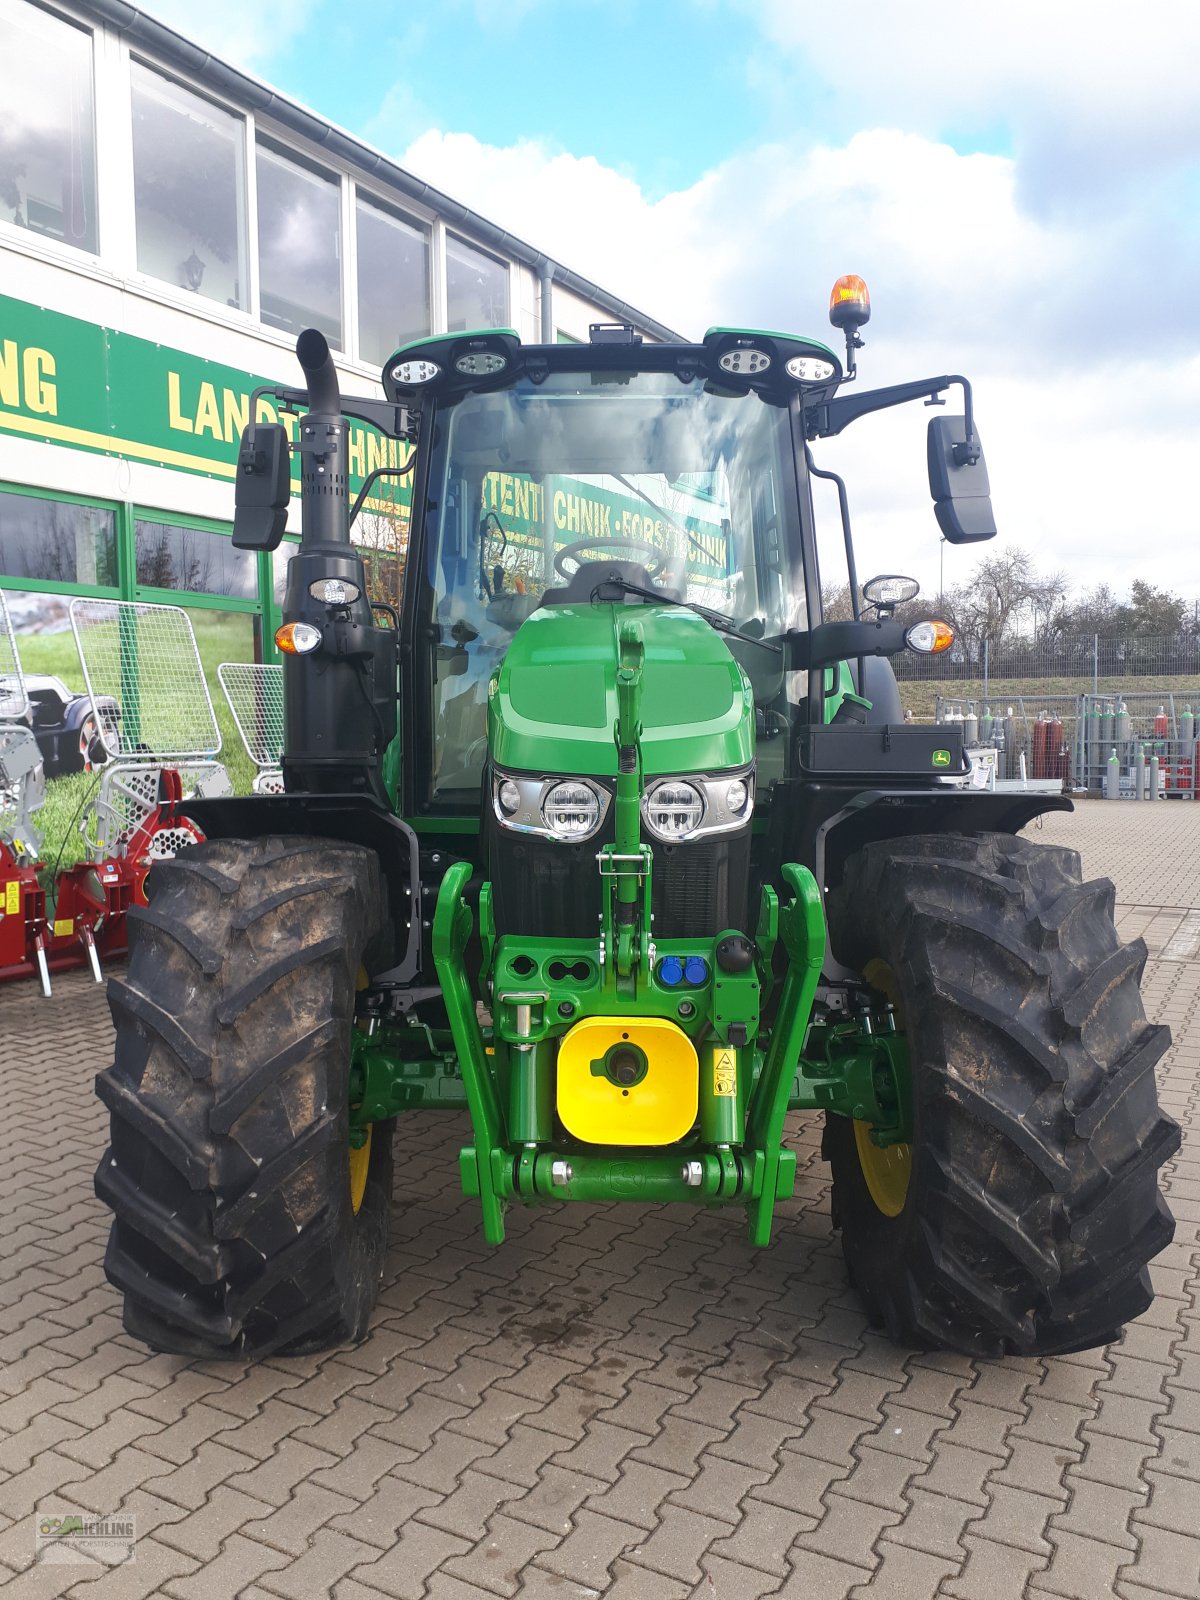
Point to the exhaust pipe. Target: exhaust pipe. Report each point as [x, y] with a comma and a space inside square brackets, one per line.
[339, 701]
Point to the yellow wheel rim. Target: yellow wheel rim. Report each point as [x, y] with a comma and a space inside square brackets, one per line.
[360, 1162]
[886, 1171]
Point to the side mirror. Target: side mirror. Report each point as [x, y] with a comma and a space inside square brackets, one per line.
[262, 487]
[959, 485]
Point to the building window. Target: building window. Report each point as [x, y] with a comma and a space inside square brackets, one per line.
[57, 541]
[393, 282]
[476, 288]
[189, 194]
[47, 129]
[193, 561]
[299, 247]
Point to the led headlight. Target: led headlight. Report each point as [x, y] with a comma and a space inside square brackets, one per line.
[568, 810]
[571, 810]
[674, 809]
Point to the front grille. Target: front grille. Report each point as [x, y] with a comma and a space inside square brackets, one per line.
[553, 890]
[700, 888]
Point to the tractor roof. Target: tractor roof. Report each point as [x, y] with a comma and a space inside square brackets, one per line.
[448, 365]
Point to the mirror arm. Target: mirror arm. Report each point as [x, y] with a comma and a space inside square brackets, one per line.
[826, 420]
[968, 452]
[835, 641]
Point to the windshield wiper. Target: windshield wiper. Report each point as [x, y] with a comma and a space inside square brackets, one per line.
[716, 619]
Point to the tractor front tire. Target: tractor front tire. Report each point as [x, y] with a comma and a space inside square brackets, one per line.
[237, 1229]
[1023, 1215]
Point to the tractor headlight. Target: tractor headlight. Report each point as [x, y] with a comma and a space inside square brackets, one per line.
[571, 810]
[676, 809]
[568, 810]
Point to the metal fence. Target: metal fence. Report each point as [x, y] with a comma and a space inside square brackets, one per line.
[1002, 670]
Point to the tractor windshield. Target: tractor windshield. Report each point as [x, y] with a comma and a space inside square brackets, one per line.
[537, 490]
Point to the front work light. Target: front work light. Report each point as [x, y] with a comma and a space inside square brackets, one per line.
[409, 374]
[930, 638]
[481, 364]
[744, 361]
[297, 638]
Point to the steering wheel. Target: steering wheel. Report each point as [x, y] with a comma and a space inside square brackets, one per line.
[601, 547]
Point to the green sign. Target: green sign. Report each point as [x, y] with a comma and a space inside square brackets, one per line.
[941, 758]
[72, 383]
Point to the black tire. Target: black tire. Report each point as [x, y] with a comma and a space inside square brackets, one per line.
[228, 1168]
[1032, 1205]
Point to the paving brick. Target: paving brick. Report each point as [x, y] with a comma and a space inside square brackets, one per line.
[634, 1495]
[958, 1472]
[1171, 1503]
[379, 1518]
[1019, 1517]
[849, 1530]
[329, 1558]
[1102, 1511]
[933, 1523]
[1166, 1560]
[290, 1527]
[274, 1480]
[468, 1503]
[156, 1567]
[904, 1573]
[1081, 1569]
[497, 1561]
[590, 1549]
[241, 1561]
[758, 1440]
[719, 1488]
[993, 1571]
[820, 1577]
[556, 1497]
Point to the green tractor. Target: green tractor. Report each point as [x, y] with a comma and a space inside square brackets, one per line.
[607, 838]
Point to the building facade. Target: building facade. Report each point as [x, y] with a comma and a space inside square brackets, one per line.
[168, 225]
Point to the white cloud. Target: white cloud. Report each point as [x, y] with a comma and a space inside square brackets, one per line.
[1090, 444]
[236, 31]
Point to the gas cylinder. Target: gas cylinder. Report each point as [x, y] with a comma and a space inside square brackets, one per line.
[1187, 727]
[1160, 723]
[1041, 729]
[1123, 730]
[985, 726]
[971, 727]
[1139, 773]
[1155, 792]
[1053, 746]
[1112, 777]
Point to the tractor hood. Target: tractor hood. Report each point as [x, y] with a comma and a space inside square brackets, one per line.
[552, 704]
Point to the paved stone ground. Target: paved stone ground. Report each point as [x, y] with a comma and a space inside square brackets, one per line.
[619, 1402]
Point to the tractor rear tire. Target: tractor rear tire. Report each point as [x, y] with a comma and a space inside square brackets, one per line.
[1032, 1205]
[235, 1231]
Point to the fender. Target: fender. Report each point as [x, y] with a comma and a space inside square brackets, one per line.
[354, 818]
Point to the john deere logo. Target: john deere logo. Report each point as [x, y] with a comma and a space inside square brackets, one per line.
[941, 758]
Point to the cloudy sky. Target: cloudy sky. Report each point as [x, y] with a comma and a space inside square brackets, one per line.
[1019, 184]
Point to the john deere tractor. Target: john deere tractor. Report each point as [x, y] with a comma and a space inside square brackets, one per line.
[607, 838]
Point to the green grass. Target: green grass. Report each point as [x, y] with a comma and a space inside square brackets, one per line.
[220, 636]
